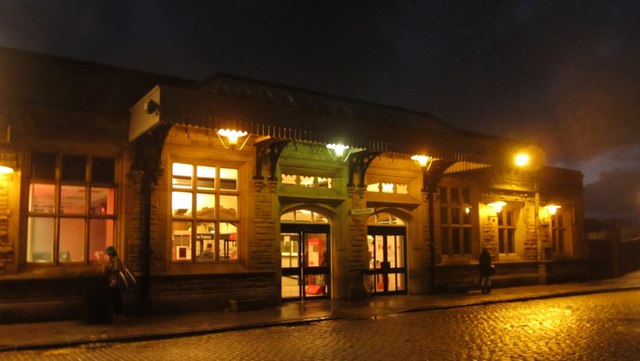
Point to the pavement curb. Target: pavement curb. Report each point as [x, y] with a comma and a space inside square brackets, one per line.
[148, 336]
[522, 299]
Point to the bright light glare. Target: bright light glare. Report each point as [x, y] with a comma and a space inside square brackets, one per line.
[5, 170]
[423, 160]
[552, 208]
[338, 148]
[232, 135]
[521, 159]
[497, 206]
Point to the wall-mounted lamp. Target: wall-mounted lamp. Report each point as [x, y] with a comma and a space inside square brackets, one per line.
[467, 208]
[552, 208]
[497, 206]
[231, 137]
[340, 151]
[5, 168]
[424, 161]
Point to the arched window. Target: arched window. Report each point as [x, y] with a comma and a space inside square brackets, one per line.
[303, 216]
[384, 219]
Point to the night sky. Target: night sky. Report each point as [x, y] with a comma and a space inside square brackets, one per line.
[565, 74]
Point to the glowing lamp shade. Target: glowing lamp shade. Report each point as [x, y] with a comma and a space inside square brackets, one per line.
[497, 206]
[5, 169]
[338, 149]
[521, 159]
[423, 160]
[232, 135]
[552, 208]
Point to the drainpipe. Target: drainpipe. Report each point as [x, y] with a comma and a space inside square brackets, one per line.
[145, 249]
[542, 263]
[432, 238]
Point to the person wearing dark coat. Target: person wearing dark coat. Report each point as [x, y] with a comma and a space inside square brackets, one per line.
[113, 270]
[485, 269]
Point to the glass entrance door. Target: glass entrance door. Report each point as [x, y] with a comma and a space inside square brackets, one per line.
[305, 261]
[387, 271]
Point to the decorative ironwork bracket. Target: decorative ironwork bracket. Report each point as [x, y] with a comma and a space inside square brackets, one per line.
[433, 175]
[271, 148]
[147, 158]
[359, 162]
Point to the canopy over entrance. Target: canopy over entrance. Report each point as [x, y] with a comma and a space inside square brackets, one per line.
[265, 110]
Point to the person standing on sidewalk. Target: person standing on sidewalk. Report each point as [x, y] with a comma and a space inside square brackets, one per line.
[485, 268]
[114, 270]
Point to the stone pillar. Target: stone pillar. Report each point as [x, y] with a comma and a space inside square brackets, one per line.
[357, 246]
[263, 245]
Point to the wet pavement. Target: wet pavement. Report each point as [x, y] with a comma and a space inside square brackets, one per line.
[24, 336]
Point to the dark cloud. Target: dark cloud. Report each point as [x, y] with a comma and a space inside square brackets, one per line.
[603, 199]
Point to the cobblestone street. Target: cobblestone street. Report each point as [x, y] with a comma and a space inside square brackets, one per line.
[603, 326]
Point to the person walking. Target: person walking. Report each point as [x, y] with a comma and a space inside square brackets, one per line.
[485, 269]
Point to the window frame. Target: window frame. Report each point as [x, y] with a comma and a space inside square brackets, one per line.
[197, 242]
[92, 253]
[507, 224]
[561, 245]
[456, 224]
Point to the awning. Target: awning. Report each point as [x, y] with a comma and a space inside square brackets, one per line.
[202, 109]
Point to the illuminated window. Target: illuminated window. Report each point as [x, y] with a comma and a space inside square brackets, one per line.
[560, 223]
[71, 211]
[288, 179]
[204, 210]
[388, 187]
[306, 181]
[373, 187]
[455, 221]
[402, 188]
[386, 219]
[303, 216]
[507, 231]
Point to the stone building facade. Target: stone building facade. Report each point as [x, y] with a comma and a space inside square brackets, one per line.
[235, 190]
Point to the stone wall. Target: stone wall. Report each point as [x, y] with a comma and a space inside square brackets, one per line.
[6, 244]
[531, 243]
[357, 247]
[263, 249]
[176, 294]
